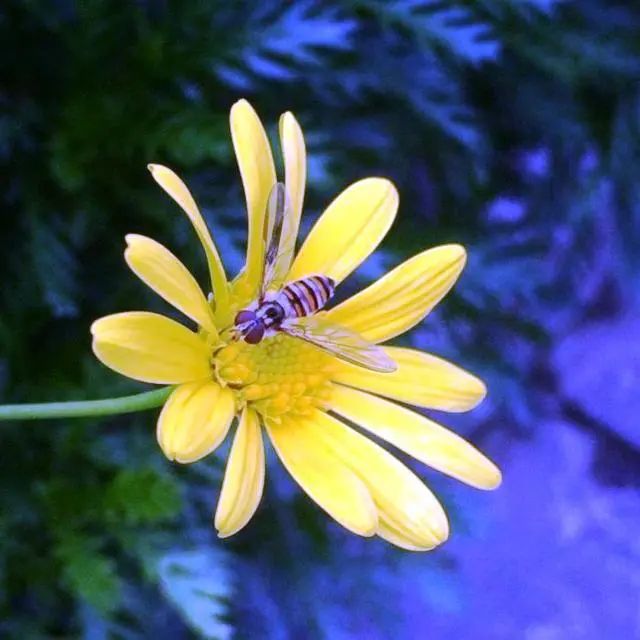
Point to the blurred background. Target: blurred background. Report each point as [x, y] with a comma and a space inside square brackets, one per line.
[511, 126]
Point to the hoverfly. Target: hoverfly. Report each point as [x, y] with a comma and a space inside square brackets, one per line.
[291, 309]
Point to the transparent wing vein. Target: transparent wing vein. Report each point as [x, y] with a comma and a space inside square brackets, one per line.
[341, 342]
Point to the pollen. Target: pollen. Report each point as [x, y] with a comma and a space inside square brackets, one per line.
[280, 375]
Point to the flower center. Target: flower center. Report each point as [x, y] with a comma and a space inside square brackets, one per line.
[279, 375]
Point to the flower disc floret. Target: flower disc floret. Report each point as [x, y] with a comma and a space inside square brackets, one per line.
[279, 376]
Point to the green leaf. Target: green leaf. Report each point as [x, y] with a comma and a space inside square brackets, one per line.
[283, 43]
[89, 573]
[140, 496]
[198, 584]
[56, 267]
[449, 25]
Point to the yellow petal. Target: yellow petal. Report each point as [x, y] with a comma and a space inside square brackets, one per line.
[194, 421]
[418, 436]
[348, 231]
[421, 379]
[255, 162]
[295, 167]
[178, 190]
[244, 477]
[405, 505]
[158, 268]
[401, 539]
[320, 473]
[151, 348]
[404, 296]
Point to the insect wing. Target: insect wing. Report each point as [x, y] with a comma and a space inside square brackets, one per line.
[341, 342]
[277, 234]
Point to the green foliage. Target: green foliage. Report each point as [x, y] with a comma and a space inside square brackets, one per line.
[56, 267]
[435, 24]
[89, 573]
[282, 42]
[198, 583]
[141, 496]
[509, 126]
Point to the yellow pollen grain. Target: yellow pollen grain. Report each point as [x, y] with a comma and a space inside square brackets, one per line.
[237, 374]
[255, 392]
[279, 376]
[228, 354]
[298, 388]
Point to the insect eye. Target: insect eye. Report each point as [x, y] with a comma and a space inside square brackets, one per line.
[244, 316]
[255, 334]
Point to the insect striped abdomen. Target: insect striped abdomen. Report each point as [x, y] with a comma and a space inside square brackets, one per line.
[308, 295]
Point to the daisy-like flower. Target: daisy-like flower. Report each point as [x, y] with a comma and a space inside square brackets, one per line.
[300, 395]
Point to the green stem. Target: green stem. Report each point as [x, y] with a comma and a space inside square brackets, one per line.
[85, 408]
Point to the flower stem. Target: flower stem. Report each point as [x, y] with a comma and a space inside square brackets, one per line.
[85, 408]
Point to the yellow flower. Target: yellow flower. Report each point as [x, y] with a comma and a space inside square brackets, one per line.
[301, 395]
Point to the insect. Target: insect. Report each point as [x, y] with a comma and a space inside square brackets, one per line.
[292, 308]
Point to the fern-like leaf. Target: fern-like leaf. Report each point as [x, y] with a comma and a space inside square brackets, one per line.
[449, 25]
[198, 584]
[281, 44]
